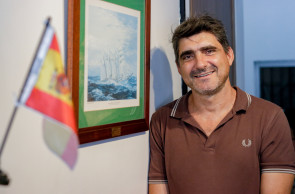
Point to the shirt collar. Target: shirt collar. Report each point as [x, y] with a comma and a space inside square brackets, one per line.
[242, 103]
[243, 100]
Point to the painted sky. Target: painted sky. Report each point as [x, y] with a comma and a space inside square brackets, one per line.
[111, 31]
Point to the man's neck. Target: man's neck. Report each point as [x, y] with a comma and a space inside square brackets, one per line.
[223, 100]
[208, 111]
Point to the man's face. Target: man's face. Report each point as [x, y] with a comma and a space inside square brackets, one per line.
[203, 64]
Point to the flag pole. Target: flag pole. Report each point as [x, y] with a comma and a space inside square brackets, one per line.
[4, 180]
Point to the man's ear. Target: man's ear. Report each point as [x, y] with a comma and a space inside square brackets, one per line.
[230, 56]
[178, 67]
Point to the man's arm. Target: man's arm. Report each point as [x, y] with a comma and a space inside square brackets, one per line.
[276, 183]
[158, 189]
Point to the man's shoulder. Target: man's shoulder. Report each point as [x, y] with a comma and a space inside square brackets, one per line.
[256, 103]
[166, 109]
[169, 110]
[262, 104]
[263, 110]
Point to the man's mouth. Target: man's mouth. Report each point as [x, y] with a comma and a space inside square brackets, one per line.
[204, 74]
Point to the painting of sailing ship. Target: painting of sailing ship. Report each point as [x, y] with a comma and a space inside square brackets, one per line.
[112, 56]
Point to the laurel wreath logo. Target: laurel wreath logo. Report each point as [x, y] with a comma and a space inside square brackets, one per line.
[248, 144]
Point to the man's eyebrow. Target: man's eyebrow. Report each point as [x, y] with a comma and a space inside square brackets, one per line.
[187, 52]
[210, 47]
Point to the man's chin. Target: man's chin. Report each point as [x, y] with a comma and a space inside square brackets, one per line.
[208, 91]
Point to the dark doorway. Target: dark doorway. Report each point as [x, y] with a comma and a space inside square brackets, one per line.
[277, 84]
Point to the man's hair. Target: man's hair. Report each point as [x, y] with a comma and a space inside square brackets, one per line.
[195, 25]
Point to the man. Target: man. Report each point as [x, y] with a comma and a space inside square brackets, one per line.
[217, 138]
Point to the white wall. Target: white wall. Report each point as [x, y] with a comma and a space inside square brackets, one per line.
[106, 167]
[265, 31]
[165, 80]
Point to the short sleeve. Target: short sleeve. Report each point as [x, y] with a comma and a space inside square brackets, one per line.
[157, 172]
[277, 151]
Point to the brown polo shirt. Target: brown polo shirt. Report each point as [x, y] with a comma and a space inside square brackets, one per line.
[253, 138]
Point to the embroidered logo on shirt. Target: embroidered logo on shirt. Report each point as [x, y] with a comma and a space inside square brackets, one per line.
[248, 144]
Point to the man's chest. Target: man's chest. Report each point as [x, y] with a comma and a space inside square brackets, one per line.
[231, 149]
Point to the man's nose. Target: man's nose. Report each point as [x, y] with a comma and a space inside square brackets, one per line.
[199, 61]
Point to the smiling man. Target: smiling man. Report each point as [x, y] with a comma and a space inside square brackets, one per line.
[217, 138]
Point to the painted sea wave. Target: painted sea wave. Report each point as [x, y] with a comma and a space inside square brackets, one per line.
[106, 90]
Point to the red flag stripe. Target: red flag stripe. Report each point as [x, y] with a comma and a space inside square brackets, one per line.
[54, 44]
[65, 113]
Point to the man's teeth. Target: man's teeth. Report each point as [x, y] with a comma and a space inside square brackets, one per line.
[203, 75]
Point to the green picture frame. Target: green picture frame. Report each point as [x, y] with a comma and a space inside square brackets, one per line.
[98, 124]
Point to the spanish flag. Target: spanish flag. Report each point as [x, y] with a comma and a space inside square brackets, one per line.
[47, 91]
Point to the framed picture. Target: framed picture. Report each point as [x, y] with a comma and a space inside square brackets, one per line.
[108, 47]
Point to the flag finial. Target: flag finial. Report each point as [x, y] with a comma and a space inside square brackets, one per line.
[48, 21]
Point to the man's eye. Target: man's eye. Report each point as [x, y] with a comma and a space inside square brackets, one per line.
[187, 57]
[209, 51]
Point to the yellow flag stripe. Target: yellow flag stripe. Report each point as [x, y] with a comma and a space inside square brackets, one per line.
[51, 77]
